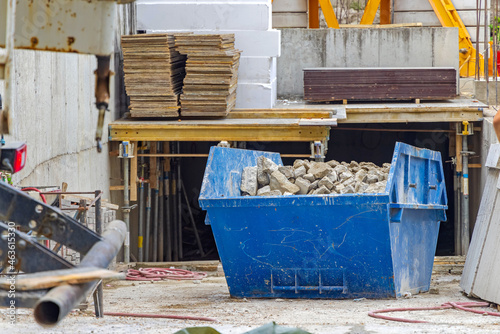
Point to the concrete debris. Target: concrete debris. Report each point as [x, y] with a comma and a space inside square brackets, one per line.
[314, 178]
[262, 177]
[319, 169]
[309, 177]
[278, 181]
[303, 185]
[322, 191]
[326, 182]
[300, 172]
[249, 181]
[288, 171]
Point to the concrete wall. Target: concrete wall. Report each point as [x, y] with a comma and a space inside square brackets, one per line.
[54, 113]
[393, 47]
[290, 14]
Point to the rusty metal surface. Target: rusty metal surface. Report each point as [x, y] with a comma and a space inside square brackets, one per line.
[333, 84]
[66, 26]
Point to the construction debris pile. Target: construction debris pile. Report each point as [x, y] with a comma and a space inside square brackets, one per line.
[211, 74]
[313, 178]
[154, 73]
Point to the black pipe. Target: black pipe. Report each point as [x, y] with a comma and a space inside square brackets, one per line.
[56, 304]
[98, 295]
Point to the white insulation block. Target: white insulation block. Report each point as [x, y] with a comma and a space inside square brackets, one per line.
[257, 70]
[256, 95]
[203, 15]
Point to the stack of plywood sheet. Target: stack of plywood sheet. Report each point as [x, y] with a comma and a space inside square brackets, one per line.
[154, 72]
[211, 74]
[378, 84]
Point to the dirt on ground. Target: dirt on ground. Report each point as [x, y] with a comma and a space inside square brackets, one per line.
[210, 298]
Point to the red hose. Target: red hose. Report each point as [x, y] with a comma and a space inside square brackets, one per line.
[464, 306]
[157, 274]
[164, 316]
[42, 196]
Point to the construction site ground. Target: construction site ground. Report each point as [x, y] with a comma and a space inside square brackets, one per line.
[210, 298]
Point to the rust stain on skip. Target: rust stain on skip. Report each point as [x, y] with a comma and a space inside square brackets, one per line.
[34, 42]
[71, 40]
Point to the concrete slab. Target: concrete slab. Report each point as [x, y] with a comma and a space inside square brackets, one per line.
[256, 95]
[203, 15]
[257, 70]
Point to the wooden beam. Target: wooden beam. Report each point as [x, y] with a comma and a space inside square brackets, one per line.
[370, 11]
[53, 278]
[133, 174]
[313, 14]
[116, 188]
[385, 12]
[458, 152]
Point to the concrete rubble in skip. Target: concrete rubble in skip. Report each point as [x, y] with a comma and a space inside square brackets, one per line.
[313, 178]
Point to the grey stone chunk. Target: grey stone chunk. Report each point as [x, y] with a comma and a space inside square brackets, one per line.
[345, 175]
[321, 191]
[338, 187]
[333, 176]
[349, 182]
[249, 180]
[340, 169]
[300, 171]
[268, 165]
[286, 193]
[333, 163]
[370, 165]
[348, 190]
[262, 177]
[298, 163]
[386, 165]
[360, 187]
[326, 182]
[264, 191]
[275, 193]
[278, 181]
[343, 163]
[378, 187]
[360, 176]
[320, 169]
[314, 185]
[370, 179]
[309, 177]
[355, 169]
[303, 185]
[353, 164]
[288, 171]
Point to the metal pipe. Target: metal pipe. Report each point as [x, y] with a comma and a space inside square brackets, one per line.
[457, 225]
[9, 69]
[161, 217]
[140, 234]
[56, 304]
[168, 213]
[148, 224]
[98, 295]
[179, 203]
[126, 210]
[465, 197]
[175, 213]
[154, 250]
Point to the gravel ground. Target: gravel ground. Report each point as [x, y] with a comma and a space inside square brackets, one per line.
[210, 298]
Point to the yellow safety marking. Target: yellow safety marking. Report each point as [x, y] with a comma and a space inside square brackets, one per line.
[139, 242]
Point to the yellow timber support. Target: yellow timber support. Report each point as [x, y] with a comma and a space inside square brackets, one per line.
[370, 11]
[448, 16]
[330, 17]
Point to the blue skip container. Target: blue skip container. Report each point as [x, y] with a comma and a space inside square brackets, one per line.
[327, 246]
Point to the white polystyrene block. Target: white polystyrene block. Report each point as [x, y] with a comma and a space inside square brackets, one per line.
[289, 6]
[203, 16]
[290, 20]
[251, 43]
[256, 95]
[257, 70]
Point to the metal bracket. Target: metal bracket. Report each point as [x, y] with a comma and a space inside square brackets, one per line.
[465, 128]
[318, 150]
[126, 150]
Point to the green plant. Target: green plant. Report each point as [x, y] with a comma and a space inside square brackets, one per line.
[495, 29]
[358, 6]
